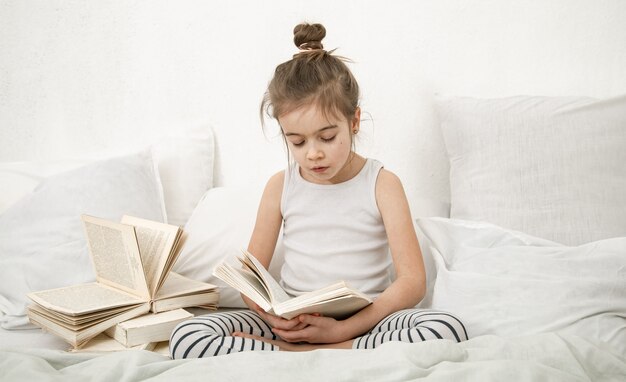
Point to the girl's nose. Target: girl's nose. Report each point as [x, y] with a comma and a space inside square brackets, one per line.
[313, 153]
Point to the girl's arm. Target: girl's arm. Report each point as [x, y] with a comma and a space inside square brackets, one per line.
[407, 289]
[268, 221]
[263, 243]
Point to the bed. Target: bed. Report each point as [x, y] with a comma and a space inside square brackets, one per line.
[540, 357]
[531, 253]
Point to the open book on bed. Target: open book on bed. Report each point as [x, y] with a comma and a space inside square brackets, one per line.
[337, 300]
[132, 262]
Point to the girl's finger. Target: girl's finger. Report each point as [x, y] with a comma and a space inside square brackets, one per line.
[310, 319]
[294, 335]
[300, 326]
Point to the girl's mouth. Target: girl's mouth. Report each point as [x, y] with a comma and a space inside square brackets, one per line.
[319, 169]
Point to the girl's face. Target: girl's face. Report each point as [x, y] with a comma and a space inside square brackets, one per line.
[322, 145]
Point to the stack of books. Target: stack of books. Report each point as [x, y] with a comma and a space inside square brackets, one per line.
[132, 261]
[148, 332]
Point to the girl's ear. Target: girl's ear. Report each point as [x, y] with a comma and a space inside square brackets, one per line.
[356, 121]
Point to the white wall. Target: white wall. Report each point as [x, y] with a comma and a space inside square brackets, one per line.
[78, 77]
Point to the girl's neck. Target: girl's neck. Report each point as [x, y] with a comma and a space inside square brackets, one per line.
[353, 166]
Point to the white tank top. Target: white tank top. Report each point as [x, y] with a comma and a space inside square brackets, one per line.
[334, 232]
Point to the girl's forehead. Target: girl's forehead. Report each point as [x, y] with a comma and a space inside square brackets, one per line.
[309, 114]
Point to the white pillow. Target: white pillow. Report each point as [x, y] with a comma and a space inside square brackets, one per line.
[42, 243]
[507, 283]
[185, 162]
[552, 167]
[219, 227]
[18, 179]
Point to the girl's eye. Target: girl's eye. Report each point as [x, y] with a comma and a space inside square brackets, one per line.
[328, 139]
[297, 143]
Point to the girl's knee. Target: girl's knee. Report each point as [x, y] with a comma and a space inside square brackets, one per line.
[190, 333]
[444, 325]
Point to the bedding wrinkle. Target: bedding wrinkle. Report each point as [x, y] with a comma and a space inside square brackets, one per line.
[539, 357]
[589, 360]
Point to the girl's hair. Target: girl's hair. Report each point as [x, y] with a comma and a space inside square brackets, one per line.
[312, 76]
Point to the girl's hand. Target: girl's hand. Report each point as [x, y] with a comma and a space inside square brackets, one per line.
[272, 320]
[316, 330]
[279, 323]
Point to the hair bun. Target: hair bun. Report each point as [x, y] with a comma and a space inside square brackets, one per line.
[309, 36]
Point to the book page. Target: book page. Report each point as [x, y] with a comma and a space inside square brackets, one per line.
[152, 319]
[339, 308]
[79, 320]
[276, 292]
[115, 255]
[206, 300]
[60, 319]
[337, 300]
[178, 245]
[80, 337]
[178, 285]
[148, 328]
[156, 241]
[83, 298]
[245, 282]
[105, 344]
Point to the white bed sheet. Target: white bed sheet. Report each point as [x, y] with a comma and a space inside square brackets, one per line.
[541, 357]
[30, 338]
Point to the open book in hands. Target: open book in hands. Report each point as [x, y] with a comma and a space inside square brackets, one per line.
[338, 300]
[132, 261]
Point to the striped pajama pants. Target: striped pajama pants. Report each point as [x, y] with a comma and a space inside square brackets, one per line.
[210, 335]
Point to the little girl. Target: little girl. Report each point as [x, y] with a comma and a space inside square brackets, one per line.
[344, 217]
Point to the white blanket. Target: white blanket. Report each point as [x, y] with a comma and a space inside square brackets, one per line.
[545, 357]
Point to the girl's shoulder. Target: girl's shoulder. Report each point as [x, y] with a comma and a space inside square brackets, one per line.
[272, 194]
[387, 178]
[274, 185]
[388, 187]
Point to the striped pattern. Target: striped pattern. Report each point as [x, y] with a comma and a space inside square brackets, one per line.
[209, 335]
[413, 325]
